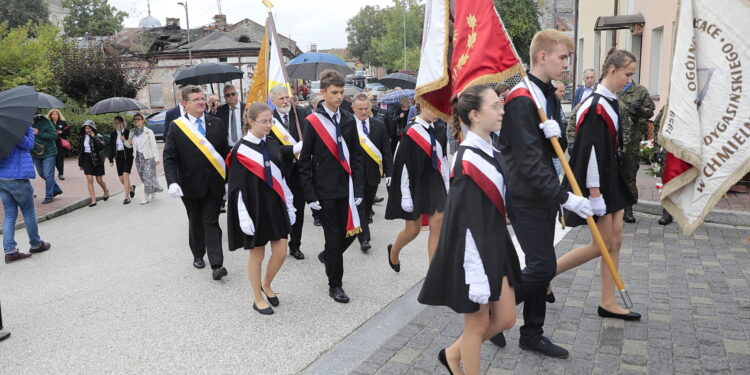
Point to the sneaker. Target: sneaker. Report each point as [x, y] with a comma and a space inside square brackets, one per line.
[41, 248]
[145, 200]
[47, 200]
[15, 257]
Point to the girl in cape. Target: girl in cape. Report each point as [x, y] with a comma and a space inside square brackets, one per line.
[475, 268]
[419, 185]
[596, 164]
[260, 208]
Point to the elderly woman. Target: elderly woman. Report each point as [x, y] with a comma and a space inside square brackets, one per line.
[143, 143]
[63, 132]
[91, 159]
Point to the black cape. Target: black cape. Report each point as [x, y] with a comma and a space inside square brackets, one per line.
[595, 132]
[468, 207]
[425, 182]
[267, 210]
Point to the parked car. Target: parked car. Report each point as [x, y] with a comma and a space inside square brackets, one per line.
[376, 89]
[155, 122]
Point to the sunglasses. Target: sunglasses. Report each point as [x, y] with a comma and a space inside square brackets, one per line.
[231, 94]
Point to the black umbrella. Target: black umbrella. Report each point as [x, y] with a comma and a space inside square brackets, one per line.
[17, 109]
[49, 101]
[209, 72]
[402, 80]
[115, 105]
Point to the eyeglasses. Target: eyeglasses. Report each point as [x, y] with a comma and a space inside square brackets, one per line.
[231, 94]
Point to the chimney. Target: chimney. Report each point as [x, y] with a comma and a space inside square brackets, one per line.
[220, 22]
[171, 21]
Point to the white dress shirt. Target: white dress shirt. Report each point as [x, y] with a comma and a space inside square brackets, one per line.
[193, 122]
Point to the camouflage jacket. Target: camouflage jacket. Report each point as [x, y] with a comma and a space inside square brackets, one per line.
[634, 122]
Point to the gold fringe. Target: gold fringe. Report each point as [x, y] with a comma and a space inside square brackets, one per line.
[353, 232]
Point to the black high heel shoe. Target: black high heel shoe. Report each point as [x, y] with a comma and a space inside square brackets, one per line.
[274, 301]
[395, 266]
[608, 314]
[444, 361]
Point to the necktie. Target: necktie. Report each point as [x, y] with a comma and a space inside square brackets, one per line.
[364, 128]
[286, 121]
[201, 129]
[266, 163]
[338, 136]
[232, 125]
[434, 155]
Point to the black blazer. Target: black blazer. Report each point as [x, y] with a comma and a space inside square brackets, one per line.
[322, 175]
[378, 136]
[223, 114]
[289, 163]
[171, 115]
[113, 145]
[185, 164]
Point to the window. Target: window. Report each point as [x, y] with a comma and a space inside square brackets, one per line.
[244, 39]
[654, 70]
[155, 95]
[222, 59]
[597, 49]
[636, 42]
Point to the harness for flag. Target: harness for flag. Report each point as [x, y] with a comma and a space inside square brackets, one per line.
[706, 129]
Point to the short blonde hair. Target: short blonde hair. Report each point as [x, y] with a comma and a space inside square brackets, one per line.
[59, 114]
[546, 40]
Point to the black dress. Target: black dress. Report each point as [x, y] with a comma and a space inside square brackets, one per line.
[264, 206]
[426, 184]
[469, 208]
[599, 128]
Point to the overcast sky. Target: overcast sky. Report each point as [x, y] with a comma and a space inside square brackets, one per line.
[305, 21]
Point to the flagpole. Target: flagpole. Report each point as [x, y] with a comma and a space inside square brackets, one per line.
[595, 233]
[277, 45]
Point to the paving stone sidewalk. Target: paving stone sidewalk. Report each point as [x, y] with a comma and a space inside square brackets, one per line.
[692, 291]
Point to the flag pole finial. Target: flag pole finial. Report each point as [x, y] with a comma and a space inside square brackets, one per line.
[268, 4]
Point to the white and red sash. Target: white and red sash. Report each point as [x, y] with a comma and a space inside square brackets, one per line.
[421, 137]
[326, 131]
[605, 111]
[487, 177]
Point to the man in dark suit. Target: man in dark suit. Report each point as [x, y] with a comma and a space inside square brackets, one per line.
[291, 119]
[195, 172]
[231, 114]
[583, 91]
[172, 114]
[376, 132]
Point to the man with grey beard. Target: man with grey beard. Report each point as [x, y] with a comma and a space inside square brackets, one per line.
[288, 128]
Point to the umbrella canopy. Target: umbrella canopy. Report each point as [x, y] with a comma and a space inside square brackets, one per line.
[209, 72]
[351, 90]
[157, 118]
[402, 80]
[49, 101]
[115, 105]
[309, 65]
[394, 97]
[17, 108]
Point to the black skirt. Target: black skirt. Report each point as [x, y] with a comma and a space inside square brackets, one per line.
[89, 168]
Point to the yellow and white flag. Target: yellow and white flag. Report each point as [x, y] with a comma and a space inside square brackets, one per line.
[276, 68]
[707, 124]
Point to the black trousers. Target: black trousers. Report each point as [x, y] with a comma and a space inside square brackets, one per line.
[535, 230]
[295, 238]
[333, 216]
[366, 211]
[60, 162]
[205, 232]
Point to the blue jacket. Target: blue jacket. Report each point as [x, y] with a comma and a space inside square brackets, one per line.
[18, 163]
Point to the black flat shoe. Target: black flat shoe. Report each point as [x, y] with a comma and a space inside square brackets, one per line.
[498, 340]
[274, 301]
[219, 273]
[338, 295]
[608, 314]
[444, 360]
[550, 297]
[132, 192]
[266, 311]
[104, 198]
[364, 246]
[395, 266]
[199, 263]
[126, 201]
[4, 335]
[92, 204]
[321, 257]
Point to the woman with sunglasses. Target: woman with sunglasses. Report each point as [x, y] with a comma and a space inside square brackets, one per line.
[143, 143]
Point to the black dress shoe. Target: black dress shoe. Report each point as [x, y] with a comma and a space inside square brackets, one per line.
[199, 263]
[296, 253]
[444, 360]
[378, 199]
[132, 191]
[322, 257]
[364, 246]
[498, 340]
[550, 297]
[544, 346]
[317, 222]
[394, 266]
[628, 215]
[608, 314]
[338, 294]
[219, 273]
[266, 311]
[666, 218]
[274, 301]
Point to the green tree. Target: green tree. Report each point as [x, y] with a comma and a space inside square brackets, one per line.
[25, 55]
[389, 47]
[96, 17]
[521, 20]
[361, 30]
[19, 12]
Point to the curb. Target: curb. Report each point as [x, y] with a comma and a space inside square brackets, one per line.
[716, 216]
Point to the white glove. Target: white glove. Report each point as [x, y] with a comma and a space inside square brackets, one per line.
[357, 201]
[579, 205]
[315, 206]
[175, 191]
[407, 205]
[480, 292]
[387, 181]
[297, 148]
[550, 128]
[598, 206]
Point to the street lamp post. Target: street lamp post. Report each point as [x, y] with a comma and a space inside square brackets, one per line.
[187, 20]
[404, 34]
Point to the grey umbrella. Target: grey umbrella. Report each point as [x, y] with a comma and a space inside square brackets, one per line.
[402, 80]
[309, 65]
[115, 105]
[209, 72]
[17, 108]
[49, 101]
